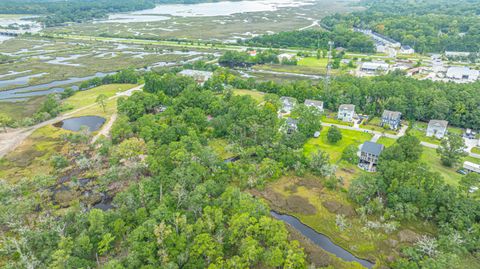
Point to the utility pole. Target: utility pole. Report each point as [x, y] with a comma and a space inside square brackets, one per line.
[329, 65]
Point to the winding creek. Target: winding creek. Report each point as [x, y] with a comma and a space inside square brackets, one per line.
[320, 240]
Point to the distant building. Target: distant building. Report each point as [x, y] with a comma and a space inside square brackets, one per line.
[369, 155]
[391, 118]
[346, 112]
[406, 50]
[461, 54]
[372, 67]
[471, 167]
[286, 56]
[252, 52]
[199, 76]
[288, 104]
[314, 103]
[437, 128]
[462, 73]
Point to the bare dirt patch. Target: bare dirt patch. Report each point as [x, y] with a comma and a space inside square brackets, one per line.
[339, 208]
[408, 236]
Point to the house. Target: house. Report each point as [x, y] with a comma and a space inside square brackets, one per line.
[471, 167]
[199, 76]
[291, 125]
[288, 104]
[314, 103]
[346, 112]
[457, 54]
[286, 57]
[372, 67]
[437, 128]
[252, 52]
[391, 118]
[369, 154]
[406, 50]
[462, 73]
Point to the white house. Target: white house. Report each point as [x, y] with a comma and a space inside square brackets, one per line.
[406, 50]
[314, 103]
[373, 67]
[462, 73]
[461, 54]
[199, 76]
[346, 112]
[288, 104]
[471, 167]
[437, 128]
[286, 56]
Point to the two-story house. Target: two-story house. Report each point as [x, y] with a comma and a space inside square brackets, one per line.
[391, 119]
[346, 112]
[369, 154]
[314, 103]
[437, 128]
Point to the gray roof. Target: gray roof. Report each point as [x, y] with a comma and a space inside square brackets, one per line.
[438, 124]
[309, 102]
[291, 121]
[347, 107]
[372, 148]
[394, 115]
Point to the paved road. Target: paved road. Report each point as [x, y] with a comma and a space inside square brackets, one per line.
[401, 132]
[14, 137]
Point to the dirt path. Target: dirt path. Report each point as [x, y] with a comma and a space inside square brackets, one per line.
[105, 131]
[13, 138]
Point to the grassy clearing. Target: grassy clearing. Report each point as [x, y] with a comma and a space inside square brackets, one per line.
[32, 157]
[476, 150]
[335, 150]
[257, 96]
[20, 110]
[332, 118]
[432, 159]
[88, 97]
[387, 142]
[419, 130]
[313, 62]
[375, 125]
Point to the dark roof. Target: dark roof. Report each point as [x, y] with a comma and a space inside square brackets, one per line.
[372, 148]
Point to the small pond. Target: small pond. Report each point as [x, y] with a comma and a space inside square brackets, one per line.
[93, 123]
[320, 240]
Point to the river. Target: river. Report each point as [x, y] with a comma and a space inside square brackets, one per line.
[320, 240]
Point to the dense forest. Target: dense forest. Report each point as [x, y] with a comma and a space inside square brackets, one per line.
[428, 26]
[315, 39]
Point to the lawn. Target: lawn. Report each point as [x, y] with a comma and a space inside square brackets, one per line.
[386, 141]
[313, 62]
[476, 150]
[88, 97]
[432, 159]
[331, 117]
[335, 150]
[375, 125]
[419, 130]
[256, 95]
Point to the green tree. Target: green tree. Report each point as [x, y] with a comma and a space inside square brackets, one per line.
[4, 121]
[452, 149]
[349, 154]
[101, 101]
[334, 134]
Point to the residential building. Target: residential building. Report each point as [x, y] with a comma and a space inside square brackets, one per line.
[369, 155]
[471, 167]
[291, 125]
[406, 50]
[346, 112]
[374, 67]
[314, 103]
[391, 118]
[462, 74]
[288, 104]
[455, 54]
[199, 76]
[437, 128]
[286, 57]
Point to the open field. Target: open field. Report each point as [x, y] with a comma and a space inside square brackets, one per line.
[257, 96]
[20, 110]
[84, 98]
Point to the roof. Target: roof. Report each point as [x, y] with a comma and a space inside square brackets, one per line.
[196, 73]
[291, 122]
[406, 47]
[309, 102]
[288, 101]
[438, 124]
[471, 166]
[374, 66]
[391, 114]
[459, 72]
[347, 107]
[372, 148]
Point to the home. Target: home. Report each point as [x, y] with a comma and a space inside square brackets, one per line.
[374, 67]
[455, 54]
[369, 154]
[470, 134]
[406, 50]
[471, 167]
[291, 125]
[437, 128]
[391, 119]
[286, 57]
[252, 52]
[199, 76]
[288, 104]
[346, 112]
[314, 103]
[462, 74]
